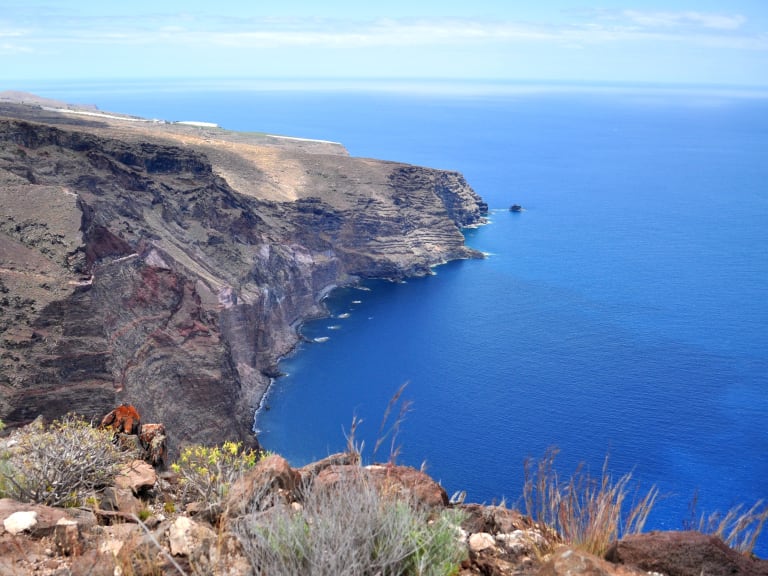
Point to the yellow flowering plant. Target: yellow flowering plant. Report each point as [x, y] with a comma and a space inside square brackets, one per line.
[206, 472]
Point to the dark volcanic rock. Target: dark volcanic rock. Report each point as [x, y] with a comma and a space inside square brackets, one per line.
[493, 519]
[167, 266]
[684, 554]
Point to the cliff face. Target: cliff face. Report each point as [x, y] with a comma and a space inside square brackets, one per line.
[168, 266]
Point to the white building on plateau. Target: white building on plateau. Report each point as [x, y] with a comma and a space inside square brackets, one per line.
[198, 124]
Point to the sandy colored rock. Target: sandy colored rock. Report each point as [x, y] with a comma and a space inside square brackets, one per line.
[185, 537]
[136, 476]
[481, 541]
[21, 521]
[114, 537]
[523, 542]
[272, 476]
[46, 516]
[179, 536]
[571, 562]
[120, 500]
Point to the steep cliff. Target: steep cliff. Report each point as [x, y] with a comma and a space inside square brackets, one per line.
[168, 265]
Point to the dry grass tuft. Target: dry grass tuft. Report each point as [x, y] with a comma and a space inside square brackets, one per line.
[392, 432]
[588, 513]
[389, 429]
[739, 528]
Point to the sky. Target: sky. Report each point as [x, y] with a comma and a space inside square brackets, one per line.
[710, 42]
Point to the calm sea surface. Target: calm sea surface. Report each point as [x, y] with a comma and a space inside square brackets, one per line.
[623, 313]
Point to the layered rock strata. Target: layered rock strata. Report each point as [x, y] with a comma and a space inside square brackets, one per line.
[168, 266]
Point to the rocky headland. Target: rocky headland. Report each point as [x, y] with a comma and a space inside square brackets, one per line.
[168, 265]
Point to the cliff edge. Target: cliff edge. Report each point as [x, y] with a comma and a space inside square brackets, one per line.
[167, 265]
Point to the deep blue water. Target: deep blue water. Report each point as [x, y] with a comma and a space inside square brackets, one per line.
[624, 313]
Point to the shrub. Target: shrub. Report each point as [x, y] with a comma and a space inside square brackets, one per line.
[61, 464]
[6, 471]
[587, 513]
[351, 530]
[206, 473]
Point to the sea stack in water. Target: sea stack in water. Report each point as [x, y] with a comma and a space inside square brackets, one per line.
[515, 208]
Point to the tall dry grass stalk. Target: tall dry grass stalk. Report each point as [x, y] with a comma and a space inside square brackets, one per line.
[739, 528]
[388, 430]
[354, 448]
[588, 513]
[393, 431]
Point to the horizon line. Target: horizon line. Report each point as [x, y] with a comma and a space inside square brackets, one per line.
[469, 86]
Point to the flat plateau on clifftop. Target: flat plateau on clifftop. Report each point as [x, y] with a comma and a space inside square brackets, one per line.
[167, 264]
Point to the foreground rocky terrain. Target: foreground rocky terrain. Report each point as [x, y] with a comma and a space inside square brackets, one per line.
[131, 529]
[169, 265]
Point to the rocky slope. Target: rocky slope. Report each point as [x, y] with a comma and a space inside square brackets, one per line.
[495, 541]
[168, 266]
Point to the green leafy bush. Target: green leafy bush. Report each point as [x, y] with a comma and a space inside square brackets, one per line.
[206, 473]
[351, 530]
[59, 465]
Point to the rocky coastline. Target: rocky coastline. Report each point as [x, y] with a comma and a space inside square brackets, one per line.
[169, 265]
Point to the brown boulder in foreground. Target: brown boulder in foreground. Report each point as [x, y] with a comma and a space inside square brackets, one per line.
[684, 554]
[401, 481]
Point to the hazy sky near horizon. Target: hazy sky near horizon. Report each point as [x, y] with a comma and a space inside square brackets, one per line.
[666, 41]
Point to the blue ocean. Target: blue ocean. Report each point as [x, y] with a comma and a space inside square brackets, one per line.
[622, 314]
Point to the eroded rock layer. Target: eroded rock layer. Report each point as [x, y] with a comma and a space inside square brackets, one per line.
[168, 266]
